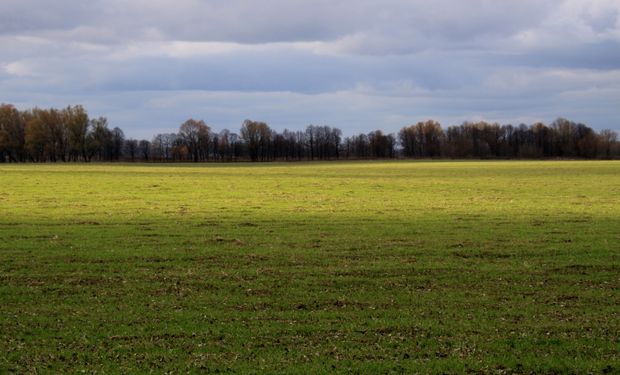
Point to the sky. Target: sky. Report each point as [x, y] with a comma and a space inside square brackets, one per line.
[359, 65]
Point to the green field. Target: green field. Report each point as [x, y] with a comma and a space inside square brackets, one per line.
[374, 267]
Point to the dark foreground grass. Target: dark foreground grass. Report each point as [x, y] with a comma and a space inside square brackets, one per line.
[508, 267]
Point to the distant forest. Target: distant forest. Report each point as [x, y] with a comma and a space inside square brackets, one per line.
[69, 135]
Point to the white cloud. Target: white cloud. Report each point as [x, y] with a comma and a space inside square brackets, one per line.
[18, 68]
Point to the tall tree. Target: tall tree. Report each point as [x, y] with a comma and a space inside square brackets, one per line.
[37, 139]
[144, 148]
[607, 140]
[99, 140]
[131, 149]
[117, 142]
[77, 122]
[257, 136]
[12, 129]
[195, 135]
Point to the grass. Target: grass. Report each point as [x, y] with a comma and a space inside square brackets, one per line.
[374, 267]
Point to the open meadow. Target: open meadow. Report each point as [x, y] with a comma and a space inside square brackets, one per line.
[492, 267]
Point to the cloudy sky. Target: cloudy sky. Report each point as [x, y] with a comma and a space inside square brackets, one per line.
[359, 65]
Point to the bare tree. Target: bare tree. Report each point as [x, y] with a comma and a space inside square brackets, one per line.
[77, 123]
[12, 128]
[257, 136]
[195, 135]
[131, 149]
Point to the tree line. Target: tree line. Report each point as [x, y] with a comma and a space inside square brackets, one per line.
[70, 135]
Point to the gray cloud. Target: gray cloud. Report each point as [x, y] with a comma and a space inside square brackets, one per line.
[354, 64]
[275, 20]
[19, 16]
